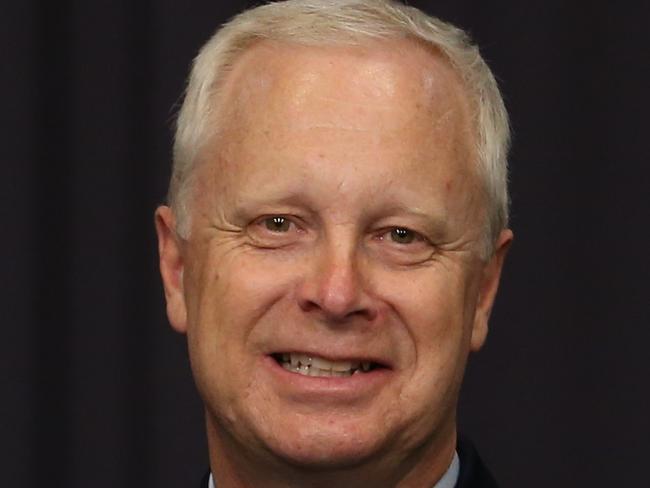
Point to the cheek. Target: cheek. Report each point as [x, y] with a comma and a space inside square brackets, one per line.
[226, 303]
[431, 304]
[432, 308]
[232, 285]
[230, 298]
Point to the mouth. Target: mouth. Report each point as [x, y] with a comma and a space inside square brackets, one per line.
[311, 365]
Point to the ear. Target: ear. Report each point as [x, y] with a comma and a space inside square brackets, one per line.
[171, 267]
[488, 289]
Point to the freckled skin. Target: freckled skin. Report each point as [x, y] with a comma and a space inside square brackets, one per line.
[346, 143]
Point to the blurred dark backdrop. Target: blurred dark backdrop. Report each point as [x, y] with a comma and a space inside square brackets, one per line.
[96, 389]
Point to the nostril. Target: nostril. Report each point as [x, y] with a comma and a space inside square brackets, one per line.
[362, 311]
[308, 305]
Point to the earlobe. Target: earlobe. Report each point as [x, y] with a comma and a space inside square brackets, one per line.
[171, 268]
[488, 289]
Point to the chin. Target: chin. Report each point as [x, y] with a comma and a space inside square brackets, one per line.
[328, 444]
[323, 454]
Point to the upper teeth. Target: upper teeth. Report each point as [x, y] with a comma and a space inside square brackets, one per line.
[317, 366]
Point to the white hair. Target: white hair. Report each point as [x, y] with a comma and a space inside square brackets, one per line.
[342, 22]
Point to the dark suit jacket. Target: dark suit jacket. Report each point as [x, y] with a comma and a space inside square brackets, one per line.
[473, 473]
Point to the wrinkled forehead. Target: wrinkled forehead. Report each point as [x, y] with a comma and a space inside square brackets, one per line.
[386, 85]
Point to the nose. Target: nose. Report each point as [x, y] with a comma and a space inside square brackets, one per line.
[336, 288]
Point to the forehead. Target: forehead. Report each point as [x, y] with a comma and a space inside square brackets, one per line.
[389, 85]
[387, 117]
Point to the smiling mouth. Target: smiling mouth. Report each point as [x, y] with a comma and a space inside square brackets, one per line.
[309, 365]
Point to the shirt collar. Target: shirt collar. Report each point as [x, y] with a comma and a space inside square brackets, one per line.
[450, 478]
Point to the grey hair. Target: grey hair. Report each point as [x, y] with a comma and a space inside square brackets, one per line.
[342, 22]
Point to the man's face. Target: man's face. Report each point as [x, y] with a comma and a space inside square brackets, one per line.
[331, 287]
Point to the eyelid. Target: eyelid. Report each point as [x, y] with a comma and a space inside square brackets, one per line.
[292, 219]
[420, 250]
[417, 236]
[263, 237]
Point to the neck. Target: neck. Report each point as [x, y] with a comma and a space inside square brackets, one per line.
[235, 465]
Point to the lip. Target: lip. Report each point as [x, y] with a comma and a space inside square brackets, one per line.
[326, 389]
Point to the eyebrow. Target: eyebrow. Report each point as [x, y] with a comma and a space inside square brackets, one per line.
[242, 207]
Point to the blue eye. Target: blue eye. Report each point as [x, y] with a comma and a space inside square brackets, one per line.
[402, 235]
[277, 224]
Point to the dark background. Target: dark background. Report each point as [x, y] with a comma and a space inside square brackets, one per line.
[96, 389]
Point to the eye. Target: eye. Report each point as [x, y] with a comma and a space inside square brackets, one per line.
[275, 231]
[277, 223]
[402, 235]
[402, 245]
